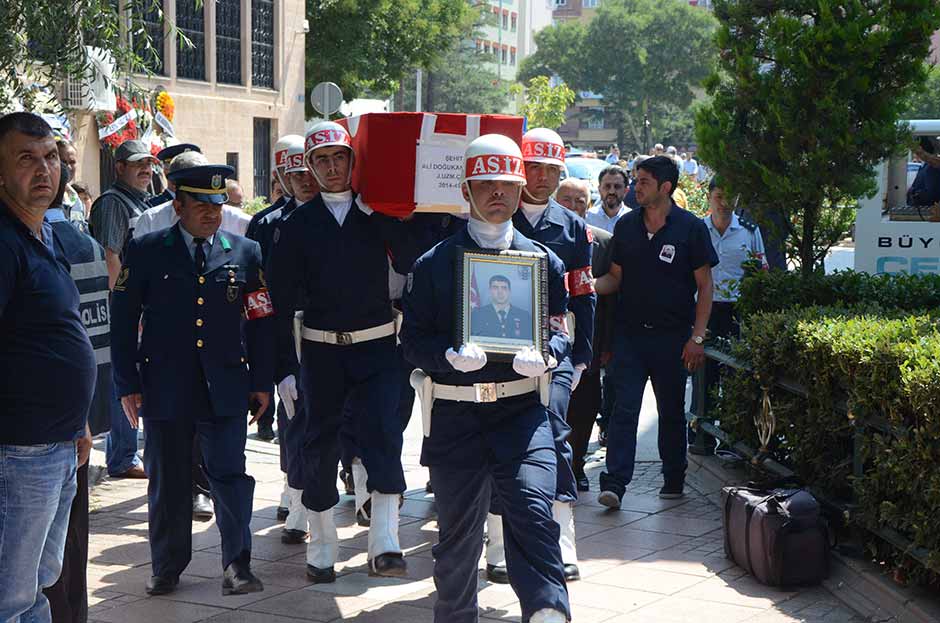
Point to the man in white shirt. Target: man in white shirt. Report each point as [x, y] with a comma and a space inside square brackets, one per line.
[612, 185]
[234, 220]
[689, 165]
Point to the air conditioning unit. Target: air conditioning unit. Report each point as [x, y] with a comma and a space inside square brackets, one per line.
[94, 90]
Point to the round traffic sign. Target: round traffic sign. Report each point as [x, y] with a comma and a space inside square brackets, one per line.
[326, 98]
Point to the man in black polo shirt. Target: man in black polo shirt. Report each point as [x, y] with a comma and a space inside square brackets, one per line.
[42, 342]
[662, 266]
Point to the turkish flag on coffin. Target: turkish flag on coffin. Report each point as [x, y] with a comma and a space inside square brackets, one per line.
[386, 146]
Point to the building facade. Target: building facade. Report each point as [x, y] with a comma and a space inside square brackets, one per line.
[508, 34]
[236, 89]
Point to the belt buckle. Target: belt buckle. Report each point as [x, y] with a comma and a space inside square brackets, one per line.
[343, 339]
[485, 392]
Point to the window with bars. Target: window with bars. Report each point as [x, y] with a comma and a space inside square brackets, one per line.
[262, 43]
[261, 156]
[152, 18]
[191, 21]
[228, 41]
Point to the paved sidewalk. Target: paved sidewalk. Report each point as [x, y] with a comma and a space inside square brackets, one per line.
[653, 561]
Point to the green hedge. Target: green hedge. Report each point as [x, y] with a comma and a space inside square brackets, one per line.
[778, 290]
[860, 358]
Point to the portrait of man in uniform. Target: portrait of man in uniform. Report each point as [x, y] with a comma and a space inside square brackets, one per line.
[501, 301]
[500, 318]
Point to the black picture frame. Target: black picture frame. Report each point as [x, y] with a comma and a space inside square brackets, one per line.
[524, 323]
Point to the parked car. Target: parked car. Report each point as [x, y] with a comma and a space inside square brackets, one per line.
[586, 169]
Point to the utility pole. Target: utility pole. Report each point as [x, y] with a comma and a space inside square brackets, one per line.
[419, 78]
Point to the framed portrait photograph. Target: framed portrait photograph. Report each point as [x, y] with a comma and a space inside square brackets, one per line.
[502, 302]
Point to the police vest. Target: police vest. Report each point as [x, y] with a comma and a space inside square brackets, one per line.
[132, 209]
[89, 270]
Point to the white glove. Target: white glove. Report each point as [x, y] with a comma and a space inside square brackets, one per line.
[529, 362]
[470, 358]
[576, 377]
[287, 390]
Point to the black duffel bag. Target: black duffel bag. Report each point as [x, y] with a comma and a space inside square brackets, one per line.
[776, 535]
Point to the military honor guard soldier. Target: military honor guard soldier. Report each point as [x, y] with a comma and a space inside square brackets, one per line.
[205, 356]
[475, 447]
[331, 259]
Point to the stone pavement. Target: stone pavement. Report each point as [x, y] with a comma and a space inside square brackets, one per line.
[653, 561]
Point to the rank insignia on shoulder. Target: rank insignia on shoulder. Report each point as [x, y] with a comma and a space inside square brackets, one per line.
[123, 276]
[410, 282]
[277, 234]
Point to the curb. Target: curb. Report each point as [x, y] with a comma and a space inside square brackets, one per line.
[859, 584]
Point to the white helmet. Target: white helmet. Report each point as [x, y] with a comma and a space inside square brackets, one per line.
[544, 146]
[326, 134]
[494, 157]
[280, 153]
[294, 162]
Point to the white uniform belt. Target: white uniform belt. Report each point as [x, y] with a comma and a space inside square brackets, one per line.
[485, 392]
[347, 338]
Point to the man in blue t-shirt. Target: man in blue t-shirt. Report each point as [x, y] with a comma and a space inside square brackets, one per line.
[662, 266]
[41, 338]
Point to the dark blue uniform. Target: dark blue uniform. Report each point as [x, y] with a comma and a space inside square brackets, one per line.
[339, 276]
[567, 235]
[196, 371]
[654, 321]
[512, 323]
[425, 229]
[260, 229]
[504, 446]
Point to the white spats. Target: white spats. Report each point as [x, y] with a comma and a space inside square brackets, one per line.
[495, 549]
[383, 530]
[360, 478]
[547, 615]
[561, 513]
[323, 547]
[297, 519]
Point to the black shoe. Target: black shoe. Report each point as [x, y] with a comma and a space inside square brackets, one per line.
[610, 499]
[348, 482]
[497, 574]
[265, 431]
[159, 585]
[572, 573]
[602, 439]
[364, 514]
[391, 565]
[293, 537]
[202, 507]
[673, 489]
[321, 576]
[239, 580]
[282, 513]
[428, 488]
[583, 483]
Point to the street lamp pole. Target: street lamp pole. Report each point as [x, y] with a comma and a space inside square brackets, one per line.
[499, 39]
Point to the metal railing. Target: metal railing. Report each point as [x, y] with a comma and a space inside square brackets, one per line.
[702, 446]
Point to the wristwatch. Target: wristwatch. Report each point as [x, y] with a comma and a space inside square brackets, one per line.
[698, 339]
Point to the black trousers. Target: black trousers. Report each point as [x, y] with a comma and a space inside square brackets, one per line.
[68, 597]
[582, 411]
[723, 323]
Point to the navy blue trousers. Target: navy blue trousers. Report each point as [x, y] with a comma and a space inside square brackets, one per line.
[653, 355]
[290, 435]
[474, 450]
[406, 403]
[167, 458]
[364, 377]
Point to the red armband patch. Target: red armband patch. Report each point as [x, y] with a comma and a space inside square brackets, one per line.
[258, 304]
[559, 323]
[579, 281]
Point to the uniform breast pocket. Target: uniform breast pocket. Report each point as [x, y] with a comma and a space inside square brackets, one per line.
[231, 283]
